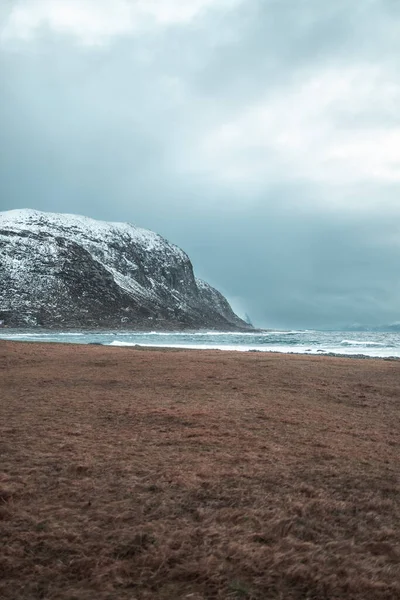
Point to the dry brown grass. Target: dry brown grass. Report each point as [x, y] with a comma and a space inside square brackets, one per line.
[197, 475]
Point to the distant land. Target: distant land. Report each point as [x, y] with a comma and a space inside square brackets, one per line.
[69, 271]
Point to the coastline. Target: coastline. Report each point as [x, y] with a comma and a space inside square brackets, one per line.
[197, 474]
[155, 348]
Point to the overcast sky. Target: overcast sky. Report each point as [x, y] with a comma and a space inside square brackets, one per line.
[262, 136]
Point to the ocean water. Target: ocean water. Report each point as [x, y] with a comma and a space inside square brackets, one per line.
[374, 344]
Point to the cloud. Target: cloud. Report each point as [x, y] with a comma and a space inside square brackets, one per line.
[331, 126]
[94, 22]
[262, 136]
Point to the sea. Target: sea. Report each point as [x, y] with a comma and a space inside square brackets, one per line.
[343, 343]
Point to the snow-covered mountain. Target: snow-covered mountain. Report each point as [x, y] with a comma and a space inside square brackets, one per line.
[60, 270]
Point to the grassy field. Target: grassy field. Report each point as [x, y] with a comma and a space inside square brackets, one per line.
[137, 474]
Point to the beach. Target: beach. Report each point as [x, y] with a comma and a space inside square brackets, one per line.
[160, 474]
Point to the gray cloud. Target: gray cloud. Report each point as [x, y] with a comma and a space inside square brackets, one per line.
[261, 136]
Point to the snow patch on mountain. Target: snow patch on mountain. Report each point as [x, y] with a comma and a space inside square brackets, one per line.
[70, 271]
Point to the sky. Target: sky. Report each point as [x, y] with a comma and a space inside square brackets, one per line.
[261, 136]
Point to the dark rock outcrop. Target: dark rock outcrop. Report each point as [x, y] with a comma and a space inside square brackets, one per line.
[68, 271]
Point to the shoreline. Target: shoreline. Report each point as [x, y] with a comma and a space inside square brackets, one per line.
[227, 350]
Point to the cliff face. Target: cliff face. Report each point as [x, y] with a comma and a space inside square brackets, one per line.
[69, 271]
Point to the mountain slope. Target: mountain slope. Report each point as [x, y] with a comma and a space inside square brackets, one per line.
[61, 270]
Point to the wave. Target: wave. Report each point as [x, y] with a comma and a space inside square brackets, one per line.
[237, 347]
[201, 333]
[254, 333]
[184, 333]
[366, 344]
[213, 333]
[294, 332]
[69, 333]
[199, 346]
[292, 341]
[10, 336]
[373, 352]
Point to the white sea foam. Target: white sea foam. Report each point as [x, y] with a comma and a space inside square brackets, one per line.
[379, 345]
[280, 349]
[239, 348]
[23, 336]
[216, 333]
[365, 343]
[68, 333]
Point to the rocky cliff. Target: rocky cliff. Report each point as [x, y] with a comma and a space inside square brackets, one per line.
[69, 271]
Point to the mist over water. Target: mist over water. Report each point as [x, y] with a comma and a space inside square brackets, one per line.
[374, 344]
